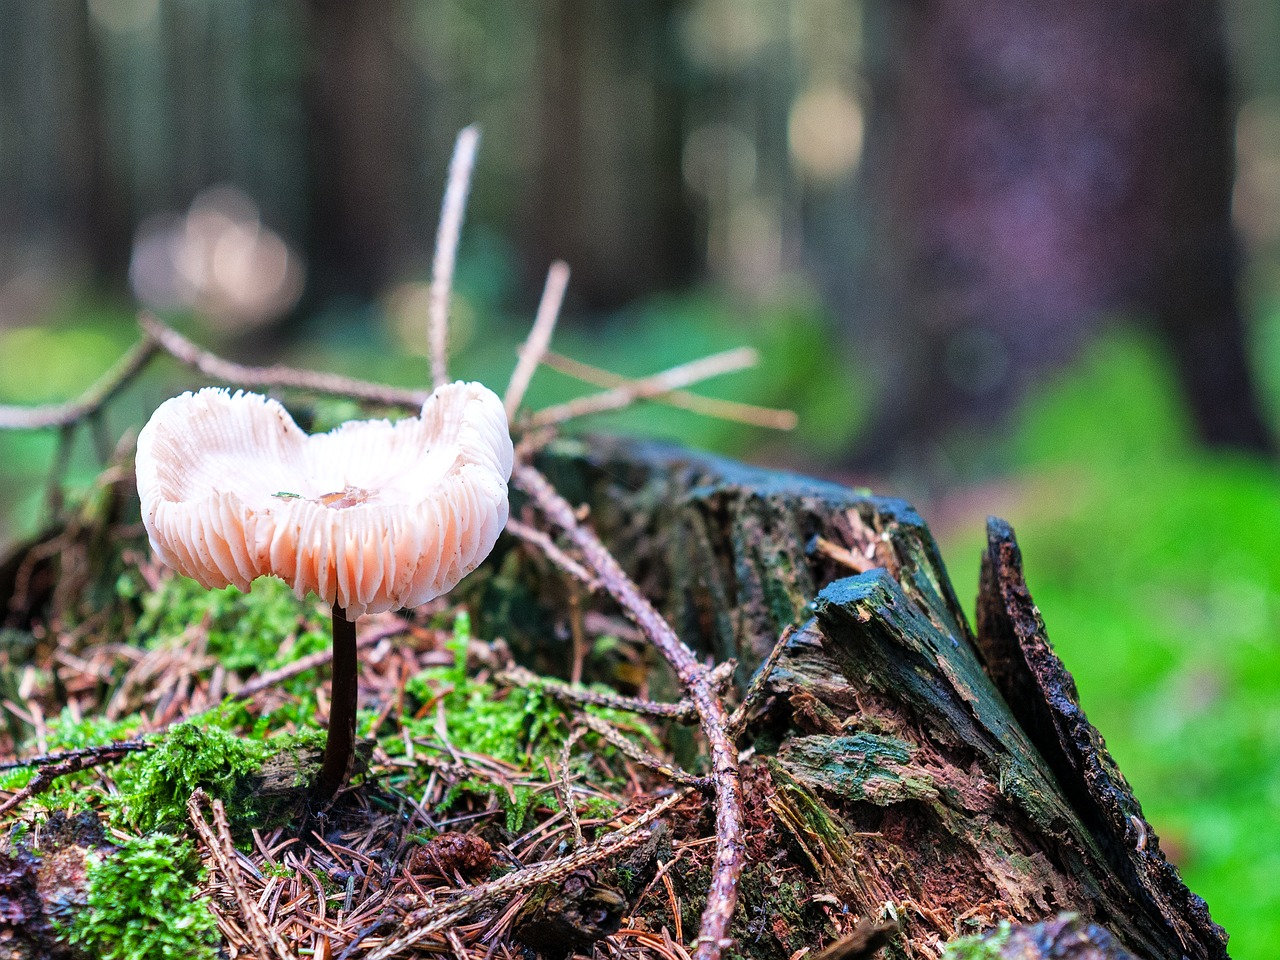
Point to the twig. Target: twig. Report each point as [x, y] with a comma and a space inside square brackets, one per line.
[452, 209]
[646, 388]
[629, 749]
[311, 661]
[566, 785]
[553, 553]
[121, 374]
[682, 712]
[51, 759]
[57, 765]
[844, 556]
[535, 347]
[329, 384]
[266, 940]
[747, 413]
[723, 893]
[756, 691]
[549, 871]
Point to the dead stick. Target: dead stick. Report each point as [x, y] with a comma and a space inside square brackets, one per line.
[72, 762]
[756, 691]
[630, 749]
[311, 661]
[566, 784]
[648, 387]
[748, 413]
[329, 384]
[50, 759]
[723, 893]
[535, 347]
[682, 711]
[553, 553]
[121, 374]
[452, 209]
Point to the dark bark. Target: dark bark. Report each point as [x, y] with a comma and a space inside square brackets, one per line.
[1039, 167]
[897, 764]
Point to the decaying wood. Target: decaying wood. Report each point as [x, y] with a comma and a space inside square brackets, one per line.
[910, 783]
[1042, 695]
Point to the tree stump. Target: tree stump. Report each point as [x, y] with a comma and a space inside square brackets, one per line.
[933, 776]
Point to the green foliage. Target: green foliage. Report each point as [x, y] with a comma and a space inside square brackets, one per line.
[154, 790]
[522, 727]
[140, 905]
[979, 947]
[67, 732]
[1155, 567]
[260, 630]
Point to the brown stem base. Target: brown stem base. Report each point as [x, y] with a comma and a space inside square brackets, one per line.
[339, 749]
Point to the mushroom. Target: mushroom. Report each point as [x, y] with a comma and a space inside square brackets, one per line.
[372, 516]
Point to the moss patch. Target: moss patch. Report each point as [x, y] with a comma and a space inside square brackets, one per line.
[140, 905]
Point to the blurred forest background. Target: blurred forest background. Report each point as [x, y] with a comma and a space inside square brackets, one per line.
[1002, 257]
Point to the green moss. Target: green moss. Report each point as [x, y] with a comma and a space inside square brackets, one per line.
[259, 631]
[68, 732]
[140, 905]
[154, 791]
[986, 946]
[521, 727]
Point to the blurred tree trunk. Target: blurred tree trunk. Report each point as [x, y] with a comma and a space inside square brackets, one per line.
[360, 129]
[107, 220]
[607, 193]
[1037, 166]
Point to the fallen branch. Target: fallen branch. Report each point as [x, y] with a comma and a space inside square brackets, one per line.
[452, 209]
[52, 766]
[629, 749]
[748, 413]
[541, 541]
[539, 339]
[696, 680]
[682, 711]
[90, 403]
[266, 940]
[273, 678]
[329, 384]
[646, 388]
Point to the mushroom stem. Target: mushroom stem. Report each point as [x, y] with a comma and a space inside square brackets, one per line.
[339, 749]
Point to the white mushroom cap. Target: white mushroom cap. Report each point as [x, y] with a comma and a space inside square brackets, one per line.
[373, 515]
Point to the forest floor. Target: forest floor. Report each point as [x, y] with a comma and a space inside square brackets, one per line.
[165, 737]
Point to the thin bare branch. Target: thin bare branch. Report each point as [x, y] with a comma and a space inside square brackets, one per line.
[747, 413]
[121, 374]
[756, 691]
[535, 347]
[682, 712]
[566, 783]
[311, 661]
[49, 768]
[553, 553]
[630, 749]
[649, 387]
[452, 209]
[329, 384]
[696, 680]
